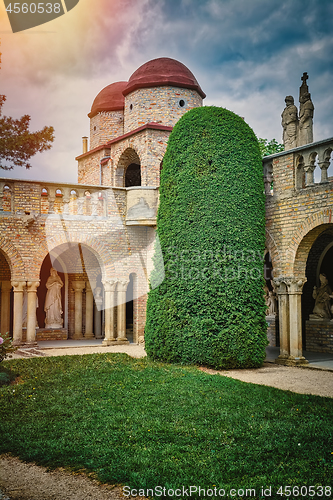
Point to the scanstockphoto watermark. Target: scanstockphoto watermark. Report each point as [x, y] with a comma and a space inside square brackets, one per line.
[191, 491]
[226, 264]
[183, 492]
[24, 15]
[221, 255]
[228, 273]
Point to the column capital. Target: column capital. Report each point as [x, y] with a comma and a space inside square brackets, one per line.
[6, 286]
[109, 285]
[295, 285]
[289, 285]
[122, 286]
[19, 286]
[280, 286]
[32, 286]
[324, 164]
[78, 286]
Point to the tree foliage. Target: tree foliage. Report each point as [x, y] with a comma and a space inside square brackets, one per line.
[17, 143]
[210, 308]
[270, 148]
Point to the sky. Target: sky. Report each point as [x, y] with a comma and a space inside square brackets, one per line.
[247, 55]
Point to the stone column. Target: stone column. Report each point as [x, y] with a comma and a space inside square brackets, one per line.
[295, 287]
[324, 167]
[78, 287]
[51, 199]
[66, 200]
[18, 311]
[309, 176]
[31, 316]
[89, 312]
[282, 293]
[98, 313]
[109, 290]
[6, 287]
[80, 204]
[121, 310]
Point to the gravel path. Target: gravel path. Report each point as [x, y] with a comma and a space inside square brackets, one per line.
[21, 481]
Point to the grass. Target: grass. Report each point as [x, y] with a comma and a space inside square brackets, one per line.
[143, 424]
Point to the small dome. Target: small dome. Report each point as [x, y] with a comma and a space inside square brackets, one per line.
[109, 99]
[163, 71]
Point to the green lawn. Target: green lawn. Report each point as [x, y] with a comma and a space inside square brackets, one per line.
[146, 424]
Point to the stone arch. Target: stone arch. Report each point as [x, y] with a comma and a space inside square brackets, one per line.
[304, 237]
[14, 259]
[97, 247]
[128, 157]
[274, 253]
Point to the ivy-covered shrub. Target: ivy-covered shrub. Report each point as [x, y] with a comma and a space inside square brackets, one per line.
[209, 308]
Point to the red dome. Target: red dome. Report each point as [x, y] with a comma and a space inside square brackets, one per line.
[163, 71]
[109, 99]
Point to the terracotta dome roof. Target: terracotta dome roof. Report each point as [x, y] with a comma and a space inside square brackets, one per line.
[109, 99]
[163, 71]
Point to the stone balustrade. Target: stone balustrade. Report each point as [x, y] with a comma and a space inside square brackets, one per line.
[31, 200]
[299, 168]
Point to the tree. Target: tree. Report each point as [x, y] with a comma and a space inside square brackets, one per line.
[209, 308]
[17, 143]
[270, 148]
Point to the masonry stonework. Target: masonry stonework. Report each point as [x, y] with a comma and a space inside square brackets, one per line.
[99, 234]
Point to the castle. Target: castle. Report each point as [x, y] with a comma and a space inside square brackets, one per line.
[75, 259]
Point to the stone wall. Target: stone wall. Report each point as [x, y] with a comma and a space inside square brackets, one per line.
[146, 147]
[89, 167]
[271, 330]
[296, 208]
[158, 105]
[111, 250]
[319, 336]
[105, 126]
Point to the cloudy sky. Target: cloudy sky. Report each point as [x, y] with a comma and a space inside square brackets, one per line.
[247, 55]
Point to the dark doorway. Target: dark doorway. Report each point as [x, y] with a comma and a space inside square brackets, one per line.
[133, 175]
[314, 266]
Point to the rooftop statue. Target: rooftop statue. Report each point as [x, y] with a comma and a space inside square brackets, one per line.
[305, 131]
[306, 110]
[289, 124]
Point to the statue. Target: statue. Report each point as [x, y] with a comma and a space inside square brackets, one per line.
[322, 296]
[289, 123]
[271, 304]
[52, 305]
[305, 131]
[270, 299]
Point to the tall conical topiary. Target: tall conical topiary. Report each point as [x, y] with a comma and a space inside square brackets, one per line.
[210, 307]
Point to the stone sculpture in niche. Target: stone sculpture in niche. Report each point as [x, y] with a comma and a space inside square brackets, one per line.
[271, 304]
[289, 123]
[322, 296]
[52, 306]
